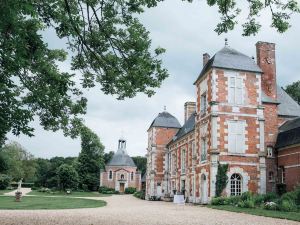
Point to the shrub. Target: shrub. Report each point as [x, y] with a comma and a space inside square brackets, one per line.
[107, 190]
[232, 200]
[269, 197]
[219, 201]
[246, 195]
[288, 205]
[221, 179]
[139, 194]
[249, 203]
[4, 181]
[259, 199]
[281, 189]
[130, 190]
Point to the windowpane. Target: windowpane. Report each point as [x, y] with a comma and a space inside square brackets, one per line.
[235, 184]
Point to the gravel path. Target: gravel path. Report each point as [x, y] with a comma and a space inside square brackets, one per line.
[23, 190]
[127, 210]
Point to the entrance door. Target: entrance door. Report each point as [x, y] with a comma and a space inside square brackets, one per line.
[203, 189]
[122, 187]
[158, 189]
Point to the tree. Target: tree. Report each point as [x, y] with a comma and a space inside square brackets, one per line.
[141, 163]
[4, 181]
[108, 156]
[20, 163]
[3, 163]
[109, 46]
[221, 179]
[294, 91]
[90, 159]
[68, 177]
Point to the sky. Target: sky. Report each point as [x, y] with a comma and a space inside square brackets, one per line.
[186, 31]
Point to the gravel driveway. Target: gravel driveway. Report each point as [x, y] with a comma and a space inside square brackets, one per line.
[127, 210]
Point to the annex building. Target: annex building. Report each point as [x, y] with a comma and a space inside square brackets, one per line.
[240, 117]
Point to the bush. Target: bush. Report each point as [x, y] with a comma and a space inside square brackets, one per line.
[219, 201]
[139, 194]
[130, 190]
[270, 206]
[246, 195]
[107, 190]
[288, 205]
[281, 189]
[4, 181]
[232, 200]
[269, 197]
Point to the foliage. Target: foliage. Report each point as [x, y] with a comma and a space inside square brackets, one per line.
[293, 196]
[4, 181]
[108, 156]
[130, 190]
[24, 184]
[139, 194]
[294, 91]
[68, 177]
[141, 163]
[107, 190]
[229, 10]
[90, 159]
[222, 179]
[281, 189]
[3, 163]
[288, 205]
[109, 46]
[19, 162]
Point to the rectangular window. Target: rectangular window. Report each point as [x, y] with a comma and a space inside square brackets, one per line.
[235, 90]
[183, 161]
[203, 104]
[269, 151]
[203, 149]
[236, 137]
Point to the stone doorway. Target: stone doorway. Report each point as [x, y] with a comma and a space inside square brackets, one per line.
[122, 187]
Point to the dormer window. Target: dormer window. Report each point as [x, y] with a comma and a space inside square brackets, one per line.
[203, 104]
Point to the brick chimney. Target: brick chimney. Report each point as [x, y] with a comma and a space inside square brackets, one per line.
[189, 109]
[266, 61]
[206, 57]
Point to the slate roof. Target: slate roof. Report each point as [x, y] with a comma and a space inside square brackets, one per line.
[289, 134]
[165, 119]
[186, 128]
[121, 158]
[228, 58]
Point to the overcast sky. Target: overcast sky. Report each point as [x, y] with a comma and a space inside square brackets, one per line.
[186, 31]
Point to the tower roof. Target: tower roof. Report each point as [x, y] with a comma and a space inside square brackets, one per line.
[121, 158]
[229, 58]
[165, 119]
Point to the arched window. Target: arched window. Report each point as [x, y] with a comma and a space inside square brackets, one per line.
[122, 176]
[235, 184]
[110, 175]
[131, 175]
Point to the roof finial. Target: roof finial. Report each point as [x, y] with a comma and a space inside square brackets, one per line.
[165, 108]
[226, 41]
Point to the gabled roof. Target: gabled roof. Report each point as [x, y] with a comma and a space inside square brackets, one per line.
[185, 129]
[289, 134]
[121, 159]
[165, 119]
[228, 58]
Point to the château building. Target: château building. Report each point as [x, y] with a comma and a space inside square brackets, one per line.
[240, 117]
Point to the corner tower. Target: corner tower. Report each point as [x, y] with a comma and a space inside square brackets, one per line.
[161, 131]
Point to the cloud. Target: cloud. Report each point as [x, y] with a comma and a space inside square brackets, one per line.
[186, 31]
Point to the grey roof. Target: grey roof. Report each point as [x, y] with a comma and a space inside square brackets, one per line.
[121, 158]
[228, 58]
[186, 128]
[289, 134]
[165, 119]
[288, 106]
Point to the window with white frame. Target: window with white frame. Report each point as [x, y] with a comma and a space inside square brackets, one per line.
[183, 154]
[235, 184]
[173, 158]
[110, 175]
[236, 136]
[203, 104]
[193, 149]
[235, 90]
[271, 176]
[270, 151]
[203, 149]
[282, 175]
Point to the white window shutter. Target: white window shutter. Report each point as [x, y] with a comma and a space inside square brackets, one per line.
[239, 90]
[231, 91]
[231, 137]
[240, 137]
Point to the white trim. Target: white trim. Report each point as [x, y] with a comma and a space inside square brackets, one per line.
[239, 163]
[239, 154]
[244, 175]
[295, 153]
[292, 166]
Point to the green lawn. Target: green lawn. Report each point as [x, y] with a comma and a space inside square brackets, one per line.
[74, 194]
[259, 212]
[32, 202]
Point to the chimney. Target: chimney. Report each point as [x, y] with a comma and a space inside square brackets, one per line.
[206, 57]
[189, 109]
[266, 61]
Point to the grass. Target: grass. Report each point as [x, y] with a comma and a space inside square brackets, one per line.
[33, 202]
[73, 194]
[259, 212]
